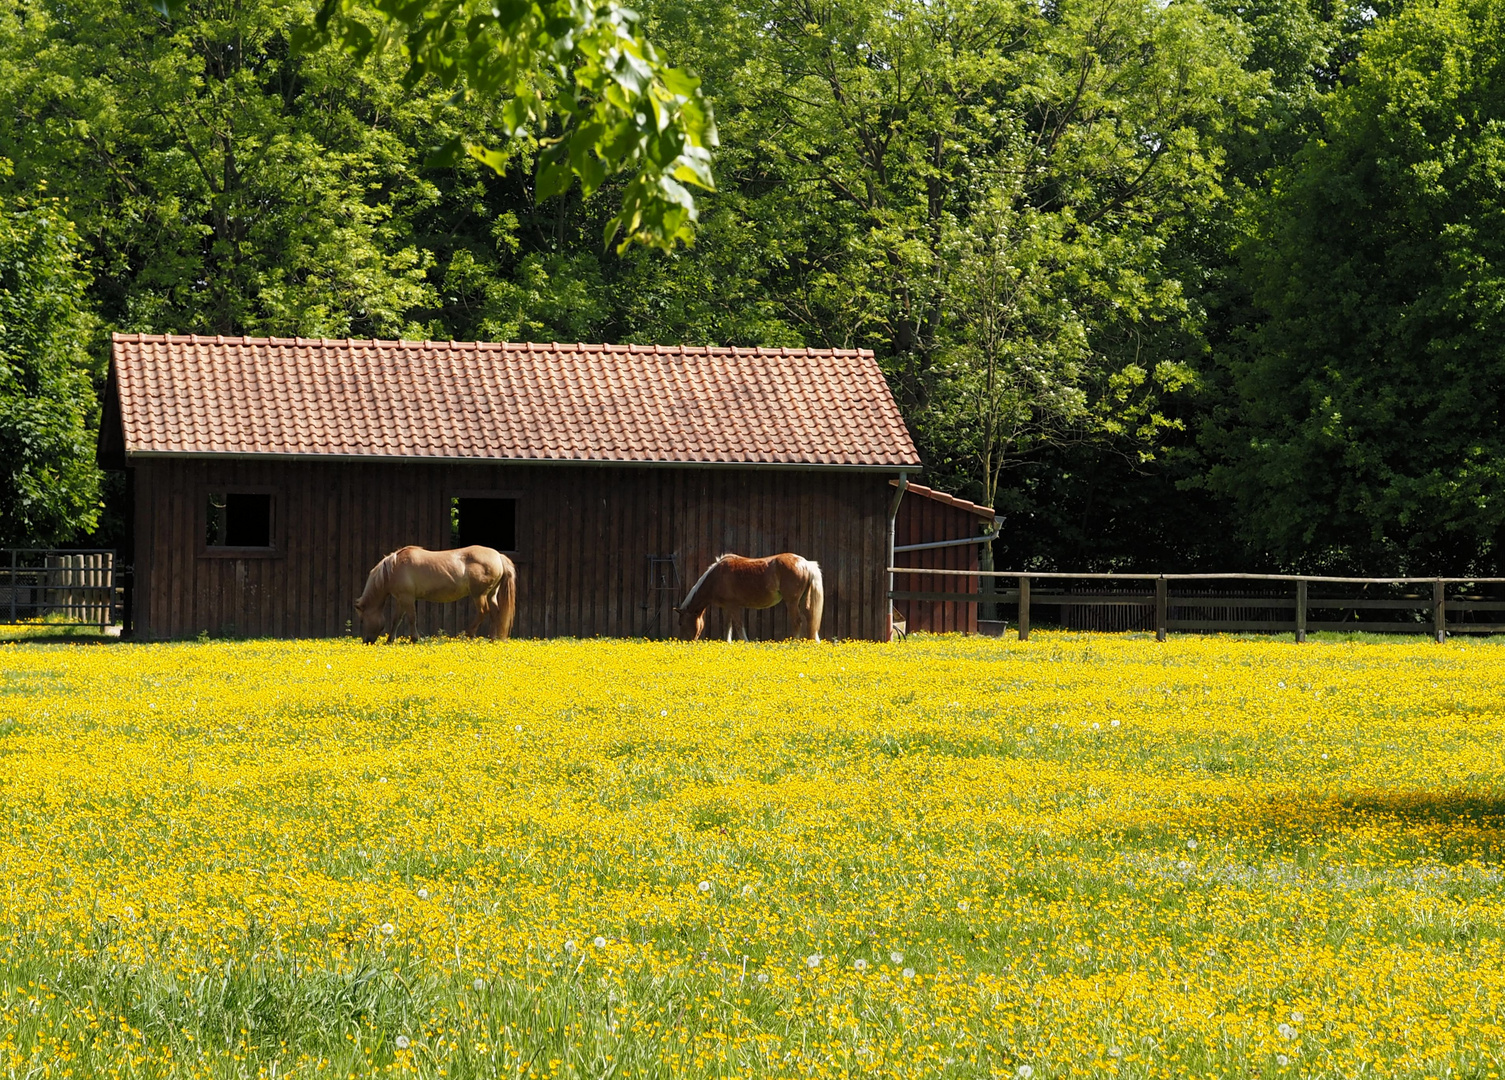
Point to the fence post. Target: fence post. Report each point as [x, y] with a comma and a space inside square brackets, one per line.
[1162, 605]
[1024, 609]
[1439, 611]
[107, 588]
[1300, 611]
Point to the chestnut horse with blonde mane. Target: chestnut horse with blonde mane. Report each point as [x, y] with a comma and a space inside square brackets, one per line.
[733, 583]
[411, 574]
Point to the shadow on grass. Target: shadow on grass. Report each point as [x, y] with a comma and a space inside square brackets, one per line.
[1452, 825]
[58, 634]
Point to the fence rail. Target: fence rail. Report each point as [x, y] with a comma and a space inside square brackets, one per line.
[1284, 602]
[76, 583]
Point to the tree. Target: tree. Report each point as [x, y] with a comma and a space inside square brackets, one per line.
[984, 190]
[224, 183]
[623, 109]
[1369, 430]
[50, 491]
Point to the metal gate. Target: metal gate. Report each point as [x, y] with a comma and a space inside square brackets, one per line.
[75, 585]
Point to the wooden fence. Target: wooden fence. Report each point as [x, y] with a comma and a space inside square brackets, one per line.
[1269, 603]
[76, 585]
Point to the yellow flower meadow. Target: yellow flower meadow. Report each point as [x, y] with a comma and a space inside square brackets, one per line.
[1084, 855]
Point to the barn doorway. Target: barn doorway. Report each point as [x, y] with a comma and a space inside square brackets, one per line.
[490, 522]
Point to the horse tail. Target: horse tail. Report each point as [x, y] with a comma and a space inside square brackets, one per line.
[814, 600]
[504, 604]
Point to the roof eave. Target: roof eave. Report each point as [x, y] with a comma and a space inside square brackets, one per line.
[424, 459]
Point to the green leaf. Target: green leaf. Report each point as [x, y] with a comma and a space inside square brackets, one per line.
[680, 83]
[446, 155]
[496, 160]
[553, 178]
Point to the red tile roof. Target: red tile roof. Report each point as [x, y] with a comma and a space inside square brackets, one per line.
[984, 512]
[192, 396]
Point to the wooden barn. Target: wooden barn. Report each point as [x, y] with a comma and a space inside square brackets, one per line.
[267, 476]
[939, 532]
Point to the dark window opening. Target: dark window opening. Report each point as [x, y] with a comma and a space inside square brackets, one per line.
[239, 519]
[489, 522]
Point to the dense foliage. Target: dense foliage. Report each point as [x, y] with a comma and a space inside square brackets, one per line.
[1371, 397]
[1124, 262]
[49, 487]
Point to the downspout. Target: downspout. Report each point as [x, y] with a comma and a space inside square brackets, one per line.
[893, 516]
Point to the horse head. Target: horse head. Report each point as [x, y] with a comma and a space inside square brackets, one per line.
[691, 623]
[373, 619]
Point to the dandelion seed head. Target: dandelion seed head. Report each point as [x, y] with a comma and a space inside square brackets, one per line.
[1286, 1031]
[1282, 1060]
[478, 985]
[1026, 1071]
[388, 929]
[423, 894]
[896, 956]
[860, 964]
[600, 942]
[814, 959]
[908, 973]
[704, 886]
[403, 1042]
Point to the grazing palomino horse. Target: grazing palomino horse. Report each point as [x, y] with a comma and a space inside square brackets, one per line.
[411, 574]
[733, 583]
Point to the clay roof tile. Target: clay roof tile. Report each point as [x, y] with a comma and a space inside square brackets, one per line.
[500, 400]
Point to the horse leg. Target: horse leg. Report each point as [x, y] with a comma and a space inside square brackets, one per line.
[492, 599]
[394, 628]
[482, 610]
[407, 608]
[796, 608]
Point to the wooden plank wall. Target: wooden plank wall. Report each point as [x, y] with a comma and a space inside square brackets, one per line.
[922, 521]
[585, 535]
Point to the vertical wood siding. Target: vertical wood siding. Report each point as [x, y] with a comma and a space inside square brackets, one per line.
[585, 536]
[923, 521]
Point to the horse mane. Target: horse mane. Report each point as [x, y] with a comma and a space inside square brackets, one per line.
[377, 581]
[690, 599]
